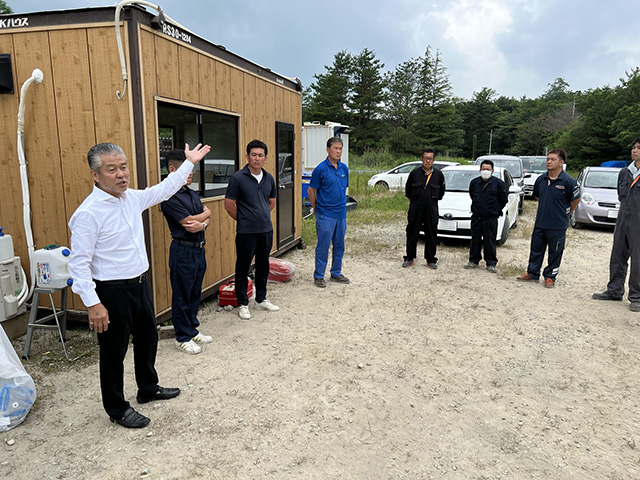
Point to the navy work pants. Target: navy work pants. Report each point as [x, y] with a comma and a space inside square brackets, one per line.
[187, 267]
[541, 238]
[483, 233]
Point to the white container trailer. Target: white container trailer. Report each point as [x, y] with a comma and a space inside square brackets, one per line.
[314, 143]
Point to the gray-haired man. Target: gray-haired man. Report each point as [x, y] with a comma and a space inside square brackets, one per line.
[109, 267]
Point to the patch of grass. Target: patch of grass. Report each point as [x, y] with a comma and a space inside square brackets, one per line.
[510, 270]
[46, 355]
[309, 235]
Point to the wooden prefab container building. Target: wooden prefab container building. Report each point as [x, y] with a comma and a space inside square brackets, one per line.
[180, 89]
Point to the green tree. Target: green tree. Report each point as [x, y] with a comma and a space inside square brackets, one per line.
[4, 8]
[625, 126]
[479, 117]
[327, 99]
[366, 100]
[401, 107]
[588, 140]
[438, 122]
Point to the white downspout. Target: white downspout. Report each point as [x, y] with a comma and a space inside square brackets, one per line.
[25, 294]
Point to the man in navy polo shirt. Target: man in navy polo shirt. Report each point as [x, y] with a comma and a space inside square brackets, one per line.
[187, 219]
[250, 197]
[328, 197]
[558, 195]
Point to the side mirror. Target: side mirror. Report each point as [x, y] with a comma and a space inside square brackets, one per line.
[514, 189]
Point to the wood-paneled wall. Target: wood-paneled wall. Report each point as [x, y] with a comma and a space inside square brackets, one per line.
[64, 116]
[76, 107]
[176, 72]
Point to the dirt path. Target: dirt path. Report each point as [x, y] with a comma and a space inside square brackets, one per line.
[404, 374]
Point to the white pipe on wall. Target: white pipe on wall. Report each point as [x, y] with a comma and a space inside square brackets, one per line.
[26, 293]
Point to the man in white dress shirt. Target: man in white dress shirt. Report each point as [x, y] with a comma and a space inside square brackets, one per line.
[109, 267]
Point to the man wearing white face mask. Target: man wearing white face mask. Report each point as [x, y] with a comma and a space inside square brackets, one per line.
[488, 197]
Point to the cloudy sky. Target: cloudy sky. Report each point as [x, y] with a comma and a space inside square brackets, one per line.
[516, 47]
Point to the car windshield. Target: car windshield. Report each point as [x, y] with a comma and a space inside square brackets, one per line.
[601, 180]
[407, 168]
[535, 165]
[514, 166]
[459, 180]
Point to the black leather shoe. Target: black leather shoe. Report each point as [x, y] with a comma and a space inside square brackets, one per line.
[605, 296]
[161, 394]
[132, 419]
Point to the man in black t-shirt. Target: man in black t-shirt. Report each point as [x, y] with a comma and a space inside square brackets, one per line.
[249, 200]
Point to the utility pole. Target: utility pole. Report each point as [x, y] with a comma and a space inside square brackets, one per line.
[490, 140]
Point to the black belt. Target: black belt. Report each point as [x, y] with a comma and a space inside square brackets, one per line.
[141, 279]
[184, 243]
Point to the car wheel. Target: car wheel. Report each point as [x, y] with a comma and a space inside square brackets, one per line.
[521, 205]
[382, 185]
[505, 231]
[574, 223]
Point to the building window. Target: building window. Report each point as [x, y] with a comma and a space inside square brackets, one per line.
[178, 125]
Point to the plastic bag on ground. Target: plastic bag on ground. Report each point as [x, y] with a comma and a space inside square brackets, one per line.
[280, 270]
[17, 390]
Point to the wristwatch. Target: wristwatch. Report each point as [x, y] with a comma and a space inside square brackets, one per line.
[205, 226]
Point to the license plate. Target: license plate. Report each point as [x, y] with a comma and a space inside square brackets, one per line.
[448, 225]
[612, 214]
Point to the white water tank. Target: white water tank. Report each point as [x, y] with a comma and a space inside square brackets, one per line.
[6, 246]
[52, 267]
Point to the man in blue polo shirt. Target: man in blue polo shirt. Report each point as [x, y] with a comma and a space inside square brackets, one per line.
[328, 197]
[250, 197]
[558, 195]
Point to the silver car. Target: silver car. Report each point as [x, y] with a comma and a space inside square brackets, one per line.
[599, 203]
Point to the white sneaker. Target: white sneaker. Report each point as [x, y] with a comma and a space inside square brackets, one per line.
[200, 338]
[189, 347]
[267, 305]
[243, 312]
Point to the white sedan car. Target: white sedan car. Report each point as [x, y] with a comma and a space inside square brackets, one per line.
[455, 206]
[396, 178]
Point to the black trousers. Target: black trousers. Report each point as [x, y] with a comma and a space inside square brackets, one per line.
[483, 233]
[249, 245]
[131, 313]
[419, 218]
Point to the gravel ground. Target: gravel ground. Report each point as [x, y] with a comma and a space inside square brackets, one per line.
[403, 374]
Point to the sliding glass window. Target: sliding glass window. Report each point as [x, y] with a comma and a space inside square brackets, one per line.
[179, 125]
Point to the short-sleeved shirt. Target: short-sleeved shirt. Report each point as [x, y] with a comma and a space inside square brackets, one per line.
[555, 197]
[252, 200]
[330, 184]
[183, 204]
